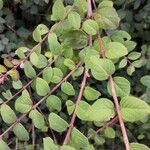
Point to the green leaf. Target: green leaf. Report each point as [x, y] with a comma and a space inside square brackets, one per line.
[130, 70]
[138, 146]
[36, 35]
[91, 94]
[17, 84]
[67, 88]
[76, 39]
[57, 123]
[134, 109]
[42, 61]
[20, 52]
[29, 70]
[3, 145]
[90, 27]
[78, 140]
[134, 55]
[69, 63]
[123, 63]
[7, 114]
[53, 103]
[145, 80]
[2, 69]
[106, 17]
[54, 45]
[42, 29]
[34, 58]
[1, 4]
[81, 5]
[42, 87]
[101, 68]
[115, 50]
[74, 20]
[106, 3]
[58, 10]
[24, 103]
[53, 75]
[49, 144]
[102, 106]
[70, 106]
[37, 118]
[21, 133]
[14, 74]
[7, 94]
[122, 86]
[110, 133]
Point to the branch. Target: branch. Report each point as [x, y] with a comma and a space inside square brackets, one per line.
[71, 124]
[41, 100]
[114, 95]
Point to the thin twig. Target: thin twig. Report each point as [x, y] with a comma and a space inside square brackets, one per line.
[41, 100]
[114, 95]
[71, 124]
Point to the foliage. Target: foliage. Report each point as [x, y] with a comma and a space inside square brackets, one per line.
[74, 74]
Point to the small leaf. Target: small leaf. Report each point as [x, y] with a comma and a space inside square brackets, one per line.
[3, 145]
[20, 52]
[17, 84]
[74, 20]
[53, 103]
[75, 39]
[145, 80]
[69, 63]
[134, 55]
[78, 140]
[49, 144]
[90, 27]
[14, 74]
[8, 63]
[101, 68]
[115, 50]
[53, 75]
[67, 88]
[130, 70]
[29, 70]
[57, 123]
[106, 17]
[21, 133]
[58, 10]
[138, 146]
[134, 109]
[123, 63]
[43, 29]
[70, 106]
[7, 114]
[81, 5]
[110, 133]
[91, 94]
[2, 69]
[42, 87]
[54, 45]
[37, 118]
[36, 35]
[24, 103]
[122, 86]
[34, 59]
